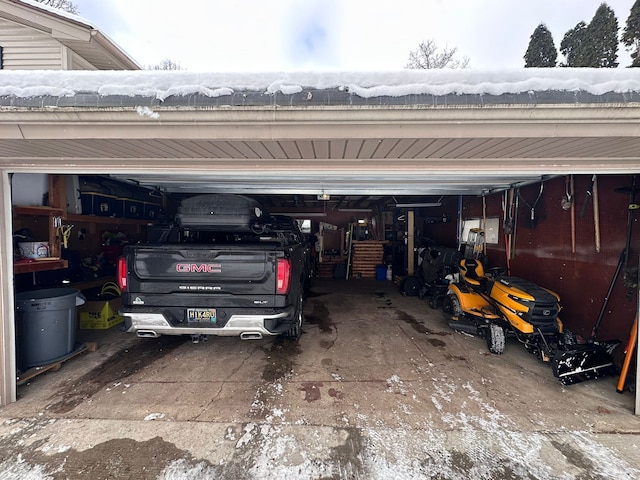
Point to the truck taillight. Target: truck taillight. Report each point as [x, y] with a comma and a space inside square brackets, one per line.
[284, 276]
[122, 273]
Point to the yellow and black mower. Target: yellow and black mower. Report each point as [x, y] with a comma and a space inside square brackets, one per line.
[493, 306]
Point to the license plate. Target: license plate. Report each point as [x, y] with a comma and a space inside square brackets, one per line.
[201, 315]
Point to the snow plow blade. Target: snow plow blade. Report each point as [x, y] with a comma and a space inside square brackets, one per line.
[584, 362]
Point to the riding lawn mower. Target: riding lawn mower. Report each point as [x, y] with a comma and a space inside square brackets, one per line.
[495, 306]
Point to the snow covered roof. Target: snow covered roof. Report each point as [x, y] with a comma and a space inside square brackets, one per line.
[78, 34]
[528, 86]
[57, 12]
[137, 123]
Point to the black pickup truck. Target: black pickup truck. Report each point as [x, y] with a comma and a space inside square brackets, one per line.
[226, 268]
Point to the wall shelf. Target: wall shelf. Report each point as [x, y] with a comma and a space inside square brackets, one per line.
[57, 198]
[72, 217]
[40, 265]
[27, 210]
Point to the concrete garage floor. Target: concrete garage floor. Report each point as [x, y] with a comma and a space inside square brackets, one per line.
[378, 387]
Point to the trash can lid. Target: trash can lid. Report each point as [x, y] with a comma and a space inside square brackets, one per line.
[57, 295]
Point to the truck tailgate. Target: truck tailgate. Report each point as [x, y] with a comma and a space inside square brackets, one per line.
[195, 269]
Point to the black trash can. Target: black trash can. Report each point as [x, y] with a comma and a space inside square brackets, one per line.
[46, 325]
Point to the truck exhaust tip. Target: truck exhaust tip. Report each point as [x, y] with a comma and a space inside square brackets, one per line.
[251, 336]
[147, 334]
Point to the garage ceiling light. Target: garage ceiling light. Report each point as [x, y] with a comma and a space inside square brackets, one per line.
[416, 205]
[303, 214]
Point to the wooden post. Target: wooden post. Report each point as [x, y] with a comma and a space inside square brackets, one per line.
[596, 213]
[573, 215]
[57, 199]
[410, 242]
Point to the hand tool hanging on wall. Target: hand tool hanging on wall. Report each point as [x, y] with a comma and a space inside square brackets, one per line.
[587, 196]
[508, 212]
[504, 229]
[632, 208]
[484, 225]
[628, 355]
[567, 203]
[567, 200]
[596, 213]
[596, 326]
[630, 277]
[532, 208]
[515, 226]
[573, 217]
[459, 234]
[509, 209]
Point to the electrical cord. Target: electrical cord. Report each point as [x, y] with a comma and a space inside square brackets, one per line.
[532, 208]
[65, 234]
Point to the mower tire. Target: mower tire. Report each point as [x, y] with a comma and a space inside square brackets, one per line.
[495, 339]
[451, 305]
[410, 287]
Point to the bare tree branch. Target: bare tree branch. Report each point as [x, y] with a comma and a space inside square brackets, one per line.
[66, 5]
[427, 57]
[166, 64]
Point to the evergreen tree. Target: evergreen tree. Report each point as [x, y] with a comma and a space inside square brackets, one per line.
[631, 33]
[541, 51]
[572, 46]
[594, 45]
[602, 34]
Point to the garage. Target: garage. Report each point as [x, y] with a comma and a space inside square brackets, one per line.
[424, 162]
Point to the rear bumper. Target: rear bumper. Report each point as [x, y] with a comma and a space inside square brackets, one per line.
[251, 326]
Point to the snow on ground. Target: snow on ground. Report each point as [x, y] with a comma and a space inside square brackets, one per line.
[20, 470]
[163, 84]
[478, 442]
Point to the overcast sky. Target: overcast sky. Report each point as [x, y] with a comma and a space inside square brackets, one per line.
[301, 35]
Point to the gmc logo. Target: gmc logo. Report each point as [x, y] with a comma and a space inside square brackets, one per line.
[198, 268]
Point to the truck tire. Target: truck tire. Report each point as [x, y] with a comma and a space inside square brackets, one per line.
[295, 330]
[495, 339]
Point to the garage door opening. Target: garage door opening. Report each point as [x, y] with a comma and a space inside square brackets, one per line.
[87, 221]
[369, 360]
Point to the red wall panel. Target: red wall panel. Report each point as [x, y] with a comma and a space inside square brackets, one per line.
[543, 251]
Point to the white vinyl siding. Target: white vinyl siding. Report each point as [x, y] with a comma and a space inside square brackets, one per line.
[76, 62]
[29, 49]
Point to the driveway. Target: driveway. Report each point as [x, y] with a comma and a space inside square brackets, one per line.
[378, 387]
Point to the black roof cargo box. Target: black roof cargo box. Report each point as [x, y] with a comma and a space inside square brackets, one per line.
[221, 212]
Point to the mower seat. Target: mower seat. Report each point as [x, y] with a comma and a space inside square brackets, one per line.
[472, 272]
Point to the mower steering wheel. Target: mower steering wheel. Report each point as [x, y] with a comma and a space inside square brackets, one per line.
[494, 272]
